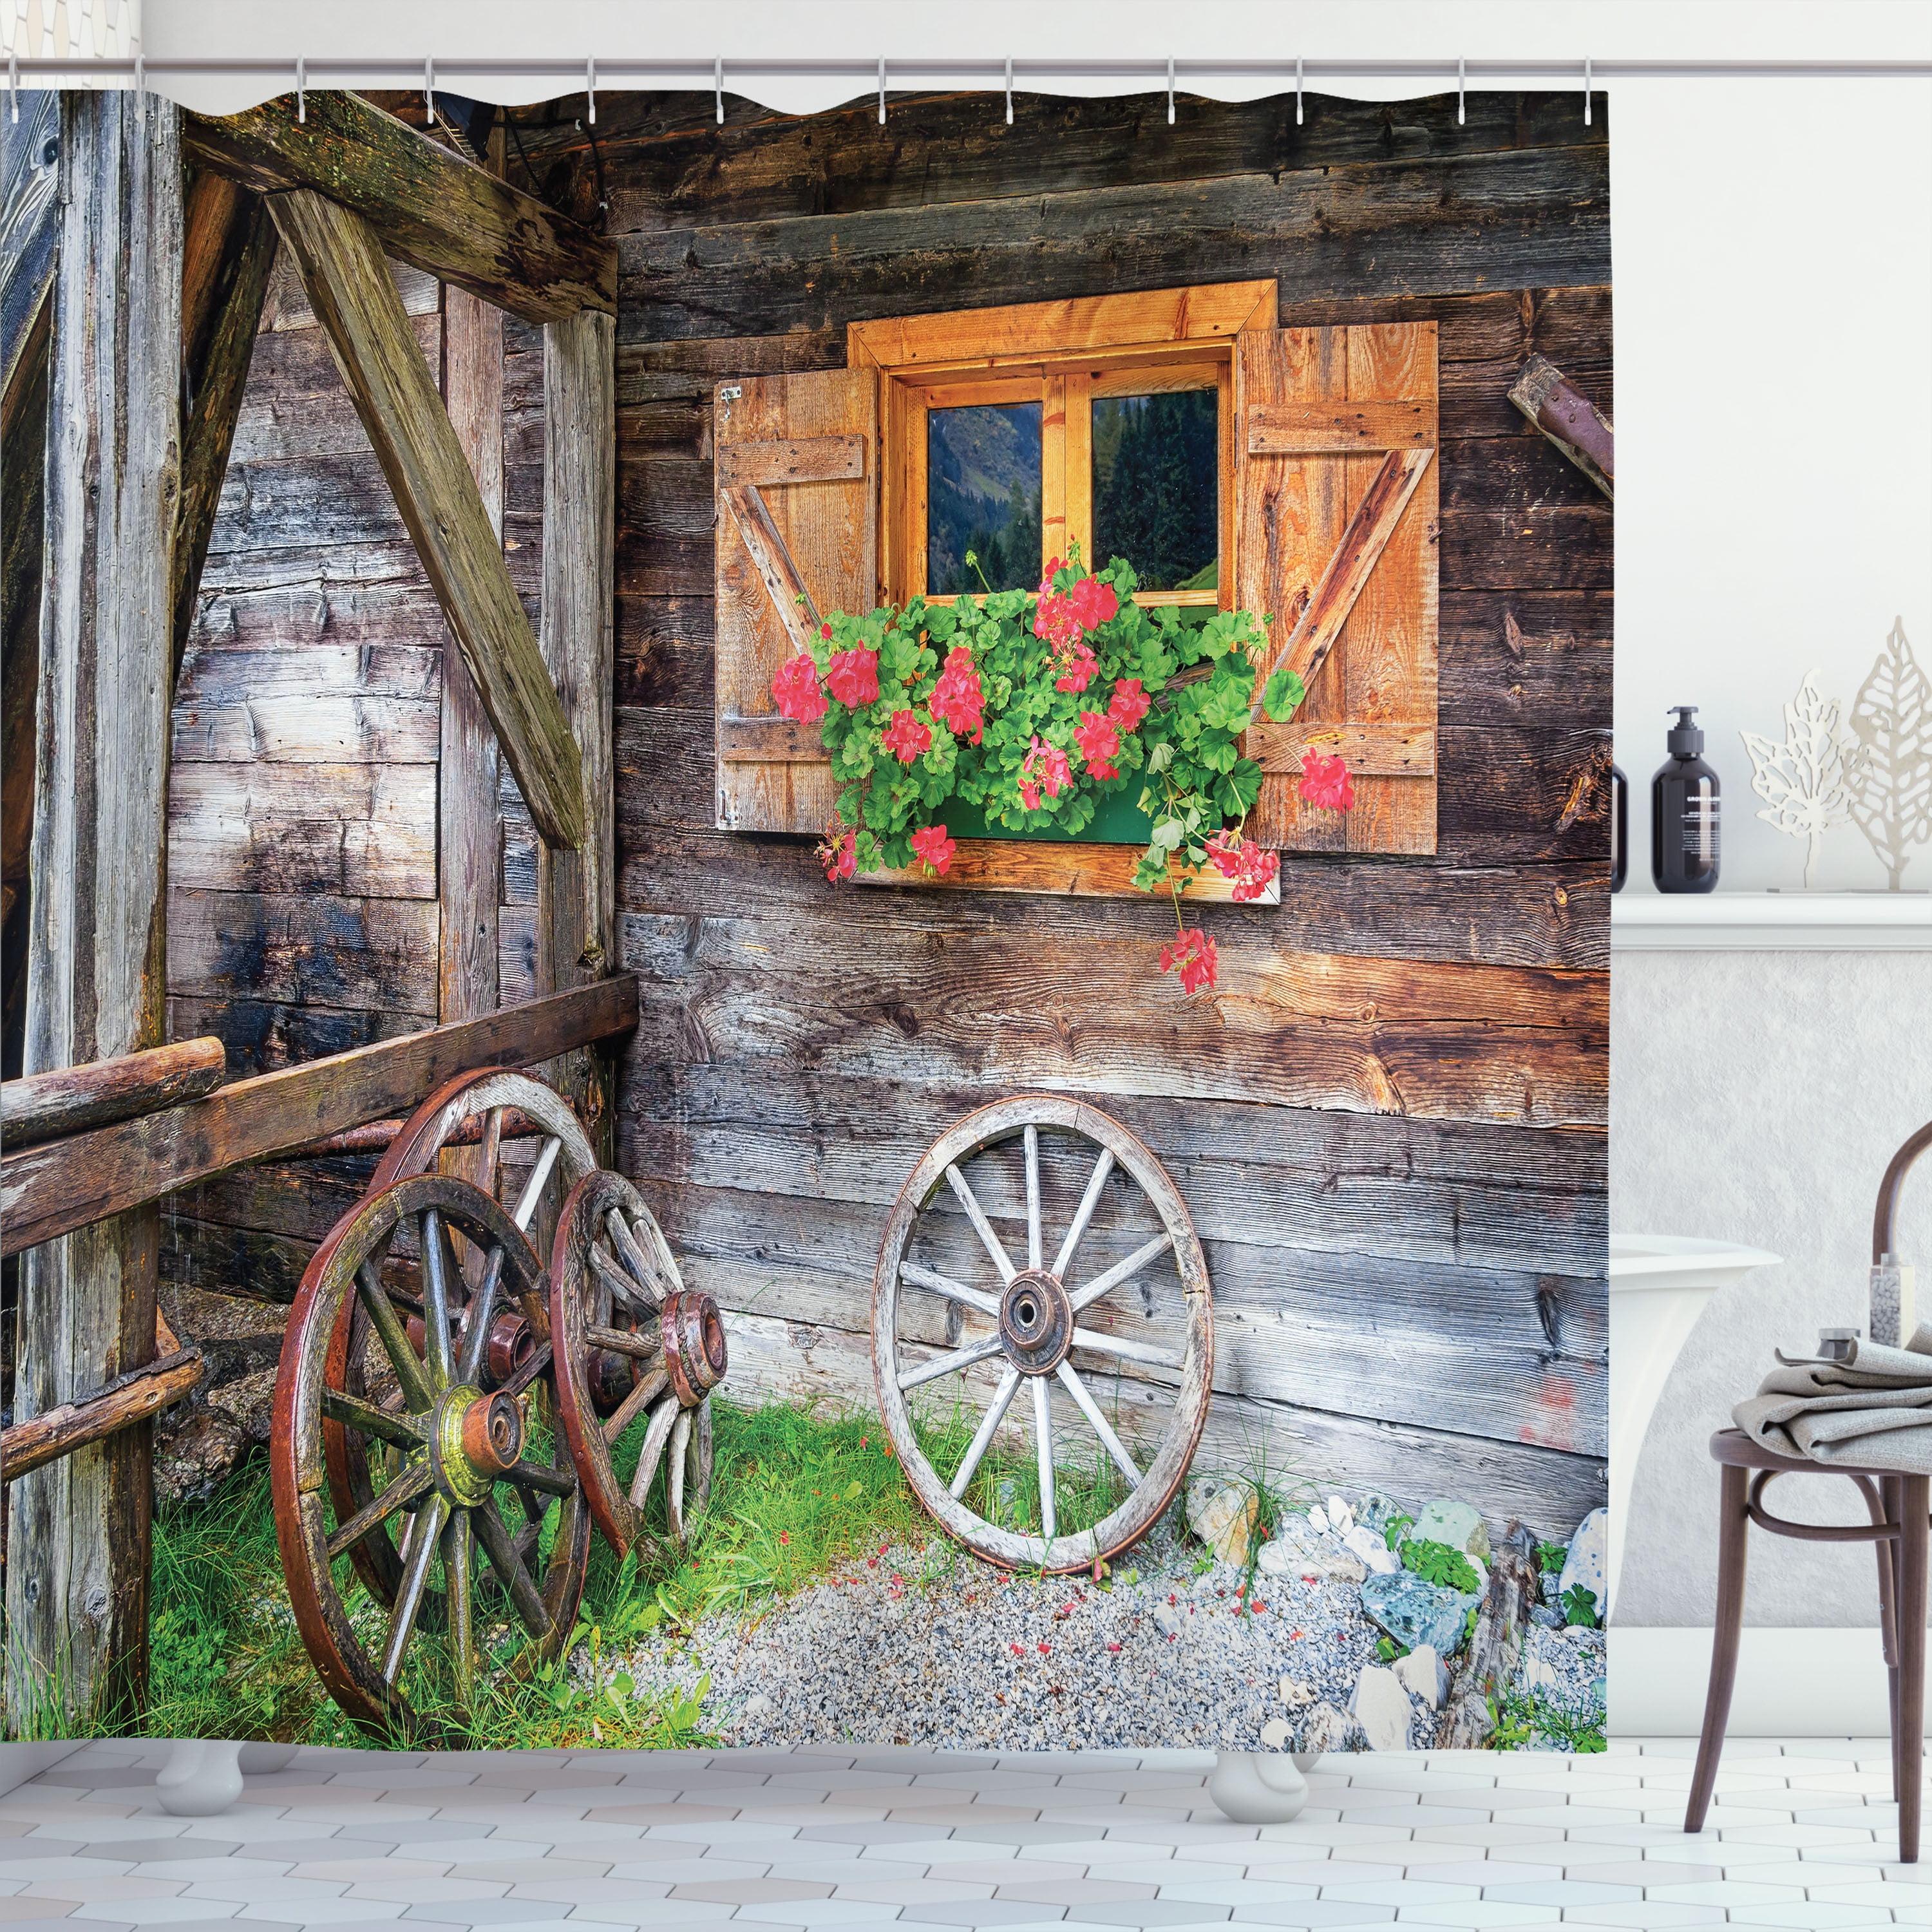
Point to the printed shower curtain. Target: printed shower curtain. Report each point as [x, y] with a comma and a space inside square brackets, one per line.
[1049, 657]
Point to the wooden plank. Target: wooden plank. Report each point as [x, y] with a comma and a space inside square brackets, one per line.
[577, 892]
[450, 219]
[46, 1191]
[820, 459]
[23, 435]
[30, 216]
[1369, 750]
[229, 256]
[1356, 554]
[69, 1099]
[1068, 867]
[376, 352]
[1022, 332]
[752, 524]
[79, 1532]
[468, 829]
[123, 1402]
[1341, 428]
[312, 950]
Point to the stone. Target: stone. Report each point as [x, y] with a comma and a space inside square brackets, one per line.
[1381, 1706]
[1275, 1735]
[1341, 1517]
[1373, 1549]
[194, 1449]
[1423, 1674]
[1318, 1520]
[1222, 1515]
[1295, 1694]
[1326, 1729]
[1414, 1613]
[1589, 1549]
[756, 1708]
[1291, 1556]
[1378, 1511]
[1548, 1619]
[1458, 1525]
[1167, 1619]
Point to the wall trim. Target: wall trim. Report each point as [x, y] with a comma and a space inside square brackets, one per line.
[1798, 922]
[1792, 1683]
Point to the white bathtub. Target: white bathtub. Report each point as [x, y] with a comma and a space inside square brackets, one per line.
[1659, 1284]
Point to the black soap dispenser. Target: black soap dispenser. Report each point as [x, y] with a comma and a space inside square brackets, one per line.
[1684, 812]
[1619, 828]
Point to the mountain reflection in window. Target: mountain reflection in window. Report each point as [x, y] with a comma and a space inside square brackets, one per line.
[1157, 488]
[982, 495]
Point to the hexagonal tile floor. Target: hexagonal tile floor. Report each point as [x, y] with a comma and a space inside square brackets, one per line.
[1803, 1835]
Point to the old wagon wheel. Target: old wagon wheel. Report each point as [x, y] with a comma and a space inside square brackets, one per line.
[934, 1330]
[453, 1452]
[466, 1121]
[631, 1341]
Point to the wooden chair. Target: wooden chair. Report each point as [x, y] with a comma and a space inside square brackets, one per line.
[1897, 1505]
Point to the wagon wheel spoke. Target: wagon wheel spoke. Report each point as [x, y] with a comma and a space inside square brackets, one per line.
[394, 1338]
[645, 1276]
[490, 1164]
[1070, 1381]
[537, 1364]
[1043, 1430]
[625, 1342]
[533, 1188]
[656, 1436]
[476, 1320]
[1128, 1352]
[460, 1607]
[405, 1432]
[415, 1481]
[540, 1476]
[1084, 1214]
[492, 1533]
[1120, 1272]
[983, 1228]
[1031, 1140]
[421, 1549]
[647, 1390]
[953, 1291]
[633, 1294]
[983, 1438]
[680, 1447]
[439, 1270]
[949, 1364]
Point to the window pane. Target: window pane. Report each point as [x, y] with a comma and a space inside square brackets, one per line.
[982, 494]
[1157, 487]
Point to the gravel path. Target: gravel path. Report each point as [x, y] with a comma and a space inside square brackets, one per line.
[930, 1646]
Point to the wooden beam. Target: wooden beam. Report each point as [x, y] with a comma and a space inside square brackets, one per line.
[772, 561]
[79, 1532]
[354, 299]
[577, 892]
[468, 826]
[1069, 867]
[1569, 419]
[1362, 540]
[51, 1190]
[228, 257]
[1336, 428]
[811, 459]
[1380, 749]
[23, 438]
[430, 209]
[71, 1099]
[128, 1399]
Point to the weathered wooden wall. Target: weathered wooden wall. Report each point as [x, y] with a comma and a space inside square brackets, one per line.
[1389, 1126]
[1395, 1156]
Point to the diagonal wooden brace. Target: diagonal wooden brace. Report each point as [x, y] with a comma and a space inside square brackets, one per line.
[773, 562]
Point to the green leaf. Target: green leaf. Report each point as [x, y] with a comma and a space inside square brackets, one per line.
[1282, 696]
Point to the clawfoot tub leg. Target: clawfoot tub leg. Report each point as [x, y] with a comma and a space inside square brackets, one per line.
[200, 1778]
[1259, 1787]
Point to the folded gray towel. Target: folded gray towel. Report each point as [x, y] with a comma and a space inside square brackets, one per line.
[1872, 1409]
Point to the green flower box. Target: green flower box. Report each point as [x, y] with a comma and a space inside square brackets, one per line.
[1118, 820]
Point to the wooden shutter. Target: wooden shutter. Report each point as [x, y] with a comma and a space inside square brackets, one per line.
[797, 484]
[1336, 540]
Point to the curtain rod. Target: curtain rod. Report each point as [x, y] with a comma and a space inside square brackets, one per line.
[993, 71]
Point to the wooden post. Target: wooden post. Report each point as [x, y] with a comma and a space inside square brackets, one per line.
[576, 911]
[79, 1529]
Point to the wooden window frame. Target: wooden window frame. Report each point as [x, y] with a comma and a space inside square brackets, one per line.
[1061, 354]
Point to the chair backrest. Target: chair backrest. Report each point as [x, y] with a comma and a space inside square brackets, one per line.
[1883, 1215]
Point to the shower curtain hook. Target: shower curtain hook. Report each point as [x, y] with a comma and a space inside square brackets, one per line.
[1297, 90]
[882, 90]
[718, 82]
[301, 90]
[1461, 82]
[1586, 90]
[1009, 90]
[429, 87]
[590, 88]
[1170, 90]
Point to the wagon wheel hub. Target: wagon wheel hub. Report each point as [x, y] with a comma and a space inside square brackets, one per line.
[695, 1352]
[1036, 1322]
[477, 1440]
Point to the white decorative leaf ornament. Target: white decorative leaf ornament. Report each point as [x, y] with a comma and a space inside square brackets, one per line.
[1892, 787]
[1806, 782]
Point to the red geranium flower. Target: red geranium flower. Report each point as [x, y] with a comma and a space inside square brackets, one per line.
[1045, 770]
[852, 677]
[906, 737]
[1080, 665]
[838, 852]
[1252, 870]
[1191, 953]
[958, 700]
[1094, 603]
[1325, 780]
[934, 848]
[1129, 704]
[1099, 741]
[795, 688]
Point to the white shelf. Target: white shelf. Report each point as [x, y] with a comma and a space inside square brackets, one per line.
[1770, 922]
